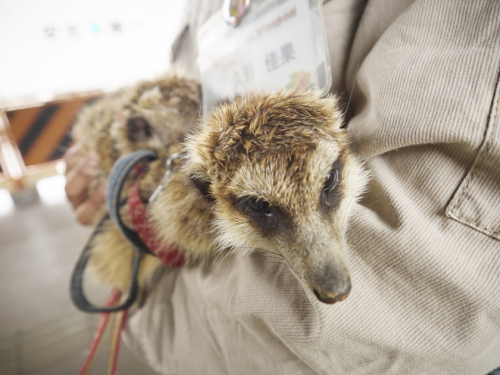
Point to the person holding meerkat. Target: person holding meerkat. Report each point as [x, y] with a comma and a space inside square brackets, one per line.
[424, 243]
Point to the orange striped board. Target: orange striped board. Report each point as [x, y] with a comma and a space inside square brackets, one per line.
[43, 133]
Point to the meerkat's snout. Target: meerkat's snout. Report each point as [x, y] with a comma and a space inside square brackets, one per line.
[279, 174]
[318, 259]
[331, 283]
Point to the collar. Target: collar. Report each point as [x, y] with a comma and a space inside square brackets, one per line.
[170, 254]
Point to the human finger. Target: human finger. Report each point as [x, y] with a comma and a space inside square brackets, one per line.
[87, 210]
[72, 156]
[78, 180]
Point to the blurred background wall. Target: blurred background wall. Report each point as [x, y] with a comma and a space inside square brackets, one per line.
[53, 47]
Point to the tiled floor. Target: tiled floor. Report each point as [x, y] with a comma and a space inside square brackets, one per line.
[41, 332]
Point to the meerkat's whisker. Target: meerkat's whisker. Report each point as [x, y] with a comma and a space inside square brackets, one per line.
[352, 89]
[345, 215]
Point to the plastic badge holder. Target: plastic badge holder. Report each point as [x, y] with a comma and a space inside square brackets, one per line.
[278, 43]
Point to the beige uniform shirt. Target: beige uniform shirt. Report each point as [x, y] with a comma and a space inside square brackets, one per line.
[424, 241]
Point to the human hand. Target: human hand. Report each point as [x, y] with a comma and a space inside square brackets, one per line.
[78, 165]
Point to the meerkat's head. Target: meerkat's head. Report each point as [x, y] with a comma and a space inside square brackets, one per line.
[280, 176]
[158, 113]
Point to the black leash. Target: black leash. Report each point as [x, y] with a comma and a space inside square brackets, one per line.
[117, 179]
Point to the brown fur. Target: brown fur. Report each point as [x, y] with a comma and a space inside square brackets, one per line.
[170, 105]
[274, 150]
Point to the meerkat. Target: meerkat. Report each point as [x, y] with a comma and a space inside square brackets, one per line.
[275, 173]
[271, 172]
[152, 115]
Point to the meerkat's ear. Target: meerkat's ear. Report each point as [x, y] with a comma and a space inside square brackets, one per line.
[138, 129]
[198, 148]
[150, 98]
[203, 187]
[330, 107]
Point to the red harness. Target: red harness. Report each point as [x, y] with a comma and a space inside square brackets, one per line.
[169, 254]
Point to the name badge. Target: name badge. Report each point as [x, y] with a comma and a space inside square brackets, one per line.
[278, 43]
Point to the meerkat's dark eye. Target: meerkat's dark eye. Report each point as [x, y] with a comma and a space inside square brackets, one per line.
[266, 217]
[259, 206]
[330, 196]
[331, 180]
[260, 213]
[138, 129]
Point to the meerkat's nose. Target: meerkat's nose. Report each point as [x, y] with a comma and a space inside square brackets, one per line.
[332, 284]
[331, 298]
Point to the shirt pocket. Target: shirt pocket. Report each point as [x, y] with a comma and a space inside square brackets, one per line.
[476, 202]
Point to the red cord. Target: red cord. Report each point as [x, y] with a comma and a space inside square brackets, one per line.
[116, 339]
[113, 298]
